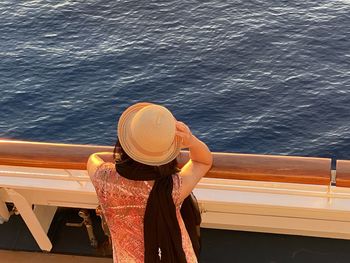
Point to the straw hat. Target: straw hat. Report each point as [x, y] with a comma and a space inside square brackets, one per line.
[146, 132]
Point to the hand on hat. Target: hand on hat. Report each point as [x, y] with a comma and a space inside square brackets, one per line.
[185, 134]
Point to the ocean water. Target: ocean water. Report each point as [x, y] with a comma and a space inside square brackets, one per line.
[269, 77]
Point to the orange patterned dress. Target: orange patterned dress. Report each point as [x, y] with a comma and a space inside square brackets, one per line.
[123, 203]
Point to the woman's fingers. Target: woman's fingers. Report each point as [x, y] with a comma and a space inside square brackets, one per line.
[184, 132]
[182, 126]
[180, 133]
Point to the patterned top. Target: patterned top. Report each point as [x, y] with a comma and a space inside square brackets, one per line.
[123, 203]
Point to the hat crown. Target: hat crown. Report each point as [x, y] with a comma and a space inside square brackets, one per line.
[147, 133]
[153, 128]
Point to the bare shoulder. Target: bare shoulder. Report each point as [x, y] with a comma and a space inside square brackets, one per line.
[94, 162]
[98, 160]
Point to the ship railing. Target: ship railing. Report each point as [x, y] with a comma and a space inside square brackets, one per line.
[266, 193]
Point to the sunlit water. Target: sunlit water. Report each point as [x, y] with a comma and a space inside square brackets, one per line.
[247, 76]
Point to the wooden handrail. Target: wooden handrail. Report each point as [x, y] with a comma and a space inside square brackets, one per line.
[289, 169]
[343, 173]
[272, 168]
[47, 155]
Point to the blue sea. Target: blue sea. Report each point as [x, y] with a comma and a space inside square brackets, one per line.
[267, 77]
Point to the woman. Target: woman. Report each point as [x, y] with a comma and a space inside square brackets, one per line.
[140, 188]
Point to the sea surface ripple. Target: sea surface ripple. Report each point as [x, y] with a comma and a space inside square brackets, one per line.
[270, 77]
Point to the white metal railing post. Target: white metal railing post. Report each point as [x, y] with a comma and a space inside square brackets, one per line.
[31, 220]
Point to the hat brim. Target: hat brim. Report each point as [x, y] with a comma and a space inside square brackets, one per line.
[137, 154]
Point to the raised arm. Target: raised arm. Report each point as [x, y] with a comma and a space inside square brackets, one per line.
[200, 160]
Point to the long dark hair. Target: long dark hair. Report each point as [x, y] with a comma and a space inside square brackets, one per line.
[122, 158]
[162, 233]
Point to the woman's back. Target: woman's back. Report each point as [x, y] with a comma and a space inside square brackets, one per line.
[123, 203]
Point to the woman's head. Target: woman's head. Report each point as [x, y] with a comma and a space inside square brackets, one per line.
[146, 133]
